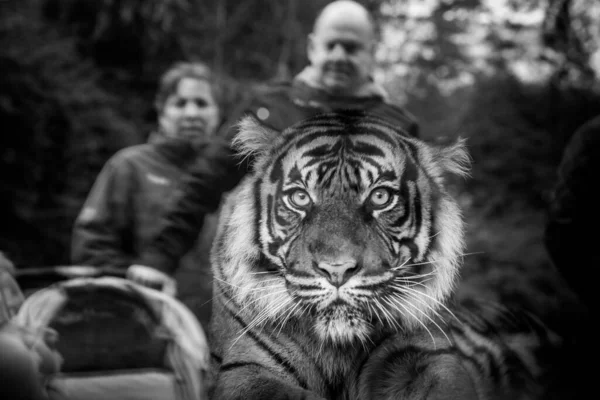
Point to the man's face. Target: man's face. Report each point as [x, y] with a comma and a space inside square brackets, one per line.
[191, 111]
[342, 54]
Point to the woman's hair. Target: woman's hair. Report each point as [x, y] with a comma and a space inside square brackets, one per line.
[168, 82]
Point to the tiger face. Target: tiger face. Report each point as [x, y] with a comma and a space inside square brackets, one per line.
[352, 229]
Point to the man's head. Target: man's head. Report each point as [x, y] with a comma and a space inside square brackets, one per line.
[341, 47]
[186, 102]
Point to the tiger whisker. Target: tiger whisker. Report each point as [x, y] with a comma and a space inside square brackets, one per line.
[212, 298]
[229, 299]
[420, 263]
[263, 316]
[435, 234]
[395, 323]
[369, 339]
[257, 299]
[281, 318]
[428, 317]
[417, 280]
[400, 290]
[406, 283]
[371, 312]
[389, 301]
[239, 287]
[438, 302]
[266, 272]
[401, 265]
[263, 288]
[304, 308]
[259, 319]
[283, 312]
[270, 280]
[322, 343]
[436, 260]
[286, 318]
[227, 283]
[408, 277]
[376, 313]
[388, 316]
[415, 276]
[376, 304]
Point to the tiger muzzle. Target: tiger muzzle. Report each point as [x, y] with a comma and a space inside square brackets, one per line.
[337, 273]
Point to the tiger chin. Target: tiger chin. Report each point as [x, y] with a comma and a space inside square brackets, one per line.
[340, 248]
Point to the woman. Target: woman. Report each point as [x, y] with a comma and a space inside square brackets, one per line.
[122, 212]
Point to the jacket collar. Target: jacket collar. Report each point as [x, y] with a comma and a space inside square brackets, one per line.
[308, 89]
[178, 151]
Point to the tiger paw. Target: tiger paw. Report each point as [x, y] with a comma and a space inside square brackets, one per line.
[413, 374]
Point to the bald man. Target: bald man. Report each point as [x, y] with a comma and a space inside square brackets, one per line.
[340, 51]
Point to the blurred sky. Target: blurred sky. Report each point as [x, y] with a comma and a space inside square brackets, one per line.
[459, 39]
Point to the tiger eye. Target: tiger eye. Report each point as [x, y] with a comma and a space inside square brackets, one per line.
[300, 198]
[379, 197]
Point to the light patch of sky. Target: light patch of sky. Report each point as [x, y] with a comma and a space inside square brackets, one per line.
[412, 8]
[500, 11]
[409, 36]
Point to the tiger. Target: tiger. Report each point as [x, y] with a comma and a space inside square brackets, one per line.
[334, 264]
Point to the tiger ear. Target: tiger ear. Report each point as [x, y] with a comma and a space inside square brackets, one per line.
[455, 158]
[253, 138]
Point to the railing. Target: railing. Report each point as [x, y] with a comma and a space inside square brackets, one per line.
[33, 278]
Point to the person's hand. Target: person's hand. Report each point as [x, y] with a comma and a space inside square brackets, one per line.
[48, 358]
[152, 278]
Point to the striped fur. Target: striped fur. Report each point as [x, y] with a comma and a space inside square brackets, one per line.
[341, 248]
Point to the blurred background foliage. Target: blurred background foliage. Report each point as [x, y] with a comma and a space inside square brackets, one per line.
[77, 80]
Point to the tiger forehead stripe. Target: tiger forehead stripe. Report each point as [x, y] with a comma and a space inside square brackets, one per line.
[326, 120]
[356, 147]
[353, 131]
[276, 168]
[368, 149]
[386, 133]
[399, 141]
[310, 136]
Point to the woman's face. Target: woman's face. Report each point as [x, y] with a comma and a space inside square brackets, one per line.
[191, 111]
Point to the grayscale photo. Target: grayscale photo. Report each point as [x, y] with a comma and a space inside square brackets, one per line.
[298, 199]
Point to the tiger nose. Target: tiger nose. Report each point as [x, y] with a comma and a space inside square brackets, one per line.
[337, 273]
